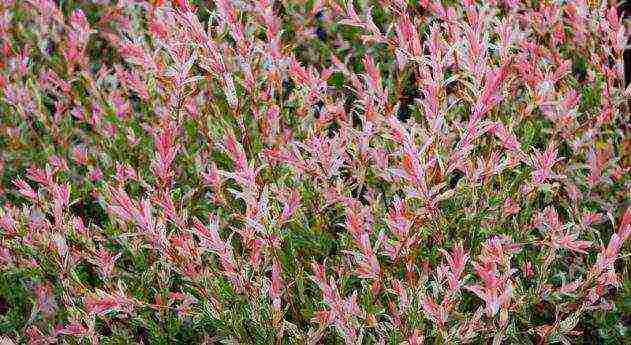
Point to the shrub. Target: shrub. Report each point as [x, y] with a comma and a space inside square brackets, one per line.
[305, 172]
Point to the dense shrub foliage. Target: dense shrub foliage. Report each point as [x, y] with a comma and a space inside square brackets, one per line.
[314, 171]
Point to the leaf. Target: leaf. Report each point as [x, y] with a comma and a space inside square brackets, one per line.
[569, 323]
[6, 341]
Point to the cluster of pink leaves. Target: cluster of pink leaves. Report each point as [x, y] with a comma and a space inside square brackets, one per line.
[485, 70]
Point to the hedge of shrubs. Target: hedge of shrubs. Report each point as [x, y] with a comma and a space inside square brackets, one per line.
[314, 172]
